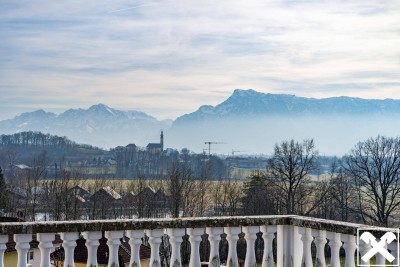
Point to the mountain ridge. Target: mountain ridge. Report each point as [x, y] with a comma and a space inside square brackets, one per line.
[93, 125]
[250, 102]
[245, 119]
[253, 121]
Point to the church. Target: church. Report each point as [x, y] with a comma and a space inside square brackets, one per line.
[156, 148]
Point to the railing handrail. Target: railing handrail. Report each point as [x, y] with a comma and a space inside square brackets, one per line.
[197, 222]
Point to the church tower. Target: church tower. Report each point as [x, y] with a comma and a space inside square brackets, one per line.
[162, 141]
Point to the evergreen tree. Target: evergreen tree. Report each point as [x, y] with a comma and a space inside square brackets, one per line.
[259, 196]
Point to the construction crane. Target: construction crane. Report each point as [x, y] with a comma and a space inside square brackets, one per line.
[209, 145]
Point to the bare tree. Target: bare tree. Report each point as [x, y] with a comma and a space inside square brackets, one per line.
[200, 193]
[180, 177]
[56, 199]
[374, 165]
[233, 191]
[289, 169]
[142, 200]
[97, 204]
[33, 185]
[343, 196]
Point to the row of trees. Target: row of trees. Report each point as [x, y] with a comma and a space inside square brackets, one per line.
[362, 186]
[124, 162]
[33, 191]
[132, 162]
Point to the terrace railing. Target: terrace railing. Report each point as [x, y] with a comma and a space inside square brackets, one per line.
[294, 237]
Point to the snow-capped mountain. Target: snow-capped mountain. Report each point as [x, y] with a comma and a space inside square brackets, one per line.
[247, 120]
[98, 125]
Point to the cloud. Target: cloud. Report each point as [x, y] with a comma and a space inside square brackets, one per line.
[170, 57]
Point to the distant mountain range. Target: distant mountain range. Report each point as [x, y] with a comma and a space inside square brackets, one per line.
[254, 122]
[243, 103]
[98, 125]
[247, 120]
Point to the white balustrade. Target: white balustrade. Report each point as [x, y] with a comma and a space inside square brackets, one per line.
[335, 244]
[250, 236]
[3, 247]
[69, 244]
[350, 246]
[289, 246]
[292, 247]
[380, 259]
[92, 243]
[113, 242]
[45, 246]
[155, 241]
[175, 239]
[214, 236]
[307, 239]
[22, 246]
[195, 239]
[135, 241]
[394, 251]
[232, 236]
[320, 241]
[268, 236]
[363, 248]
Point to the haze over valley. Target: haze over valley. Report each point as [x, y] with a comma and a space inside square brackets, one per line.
[247, 121]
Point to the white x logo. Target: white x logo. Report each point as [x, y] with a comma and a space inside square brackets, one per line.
[378, 247]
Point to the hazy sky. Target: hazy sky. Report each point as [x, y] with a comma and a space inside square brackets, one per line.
[169, 57]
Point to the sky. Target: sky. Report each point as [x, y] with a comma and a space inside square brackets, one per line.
[169, 57]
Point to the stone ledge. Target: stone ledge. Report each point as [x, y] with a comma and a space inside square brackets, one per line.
[199, 222]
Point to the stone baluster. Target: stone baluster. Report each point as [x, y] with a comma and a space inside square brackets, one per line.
[175, 239]
[364, 248]
[135, 241]
[195, 239]
[268, 236]
[395, 253]
[320, 241]
[335, 244]
[22, 246]
[350, 246]
[380, 259]
[69, 244]
[306, 238]
[113, 242]
[155, 241]
[289, 246]
[92, 243]
[214, 236]
[45, 246]
[232, 236]
[3, 247]
[250, 237]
